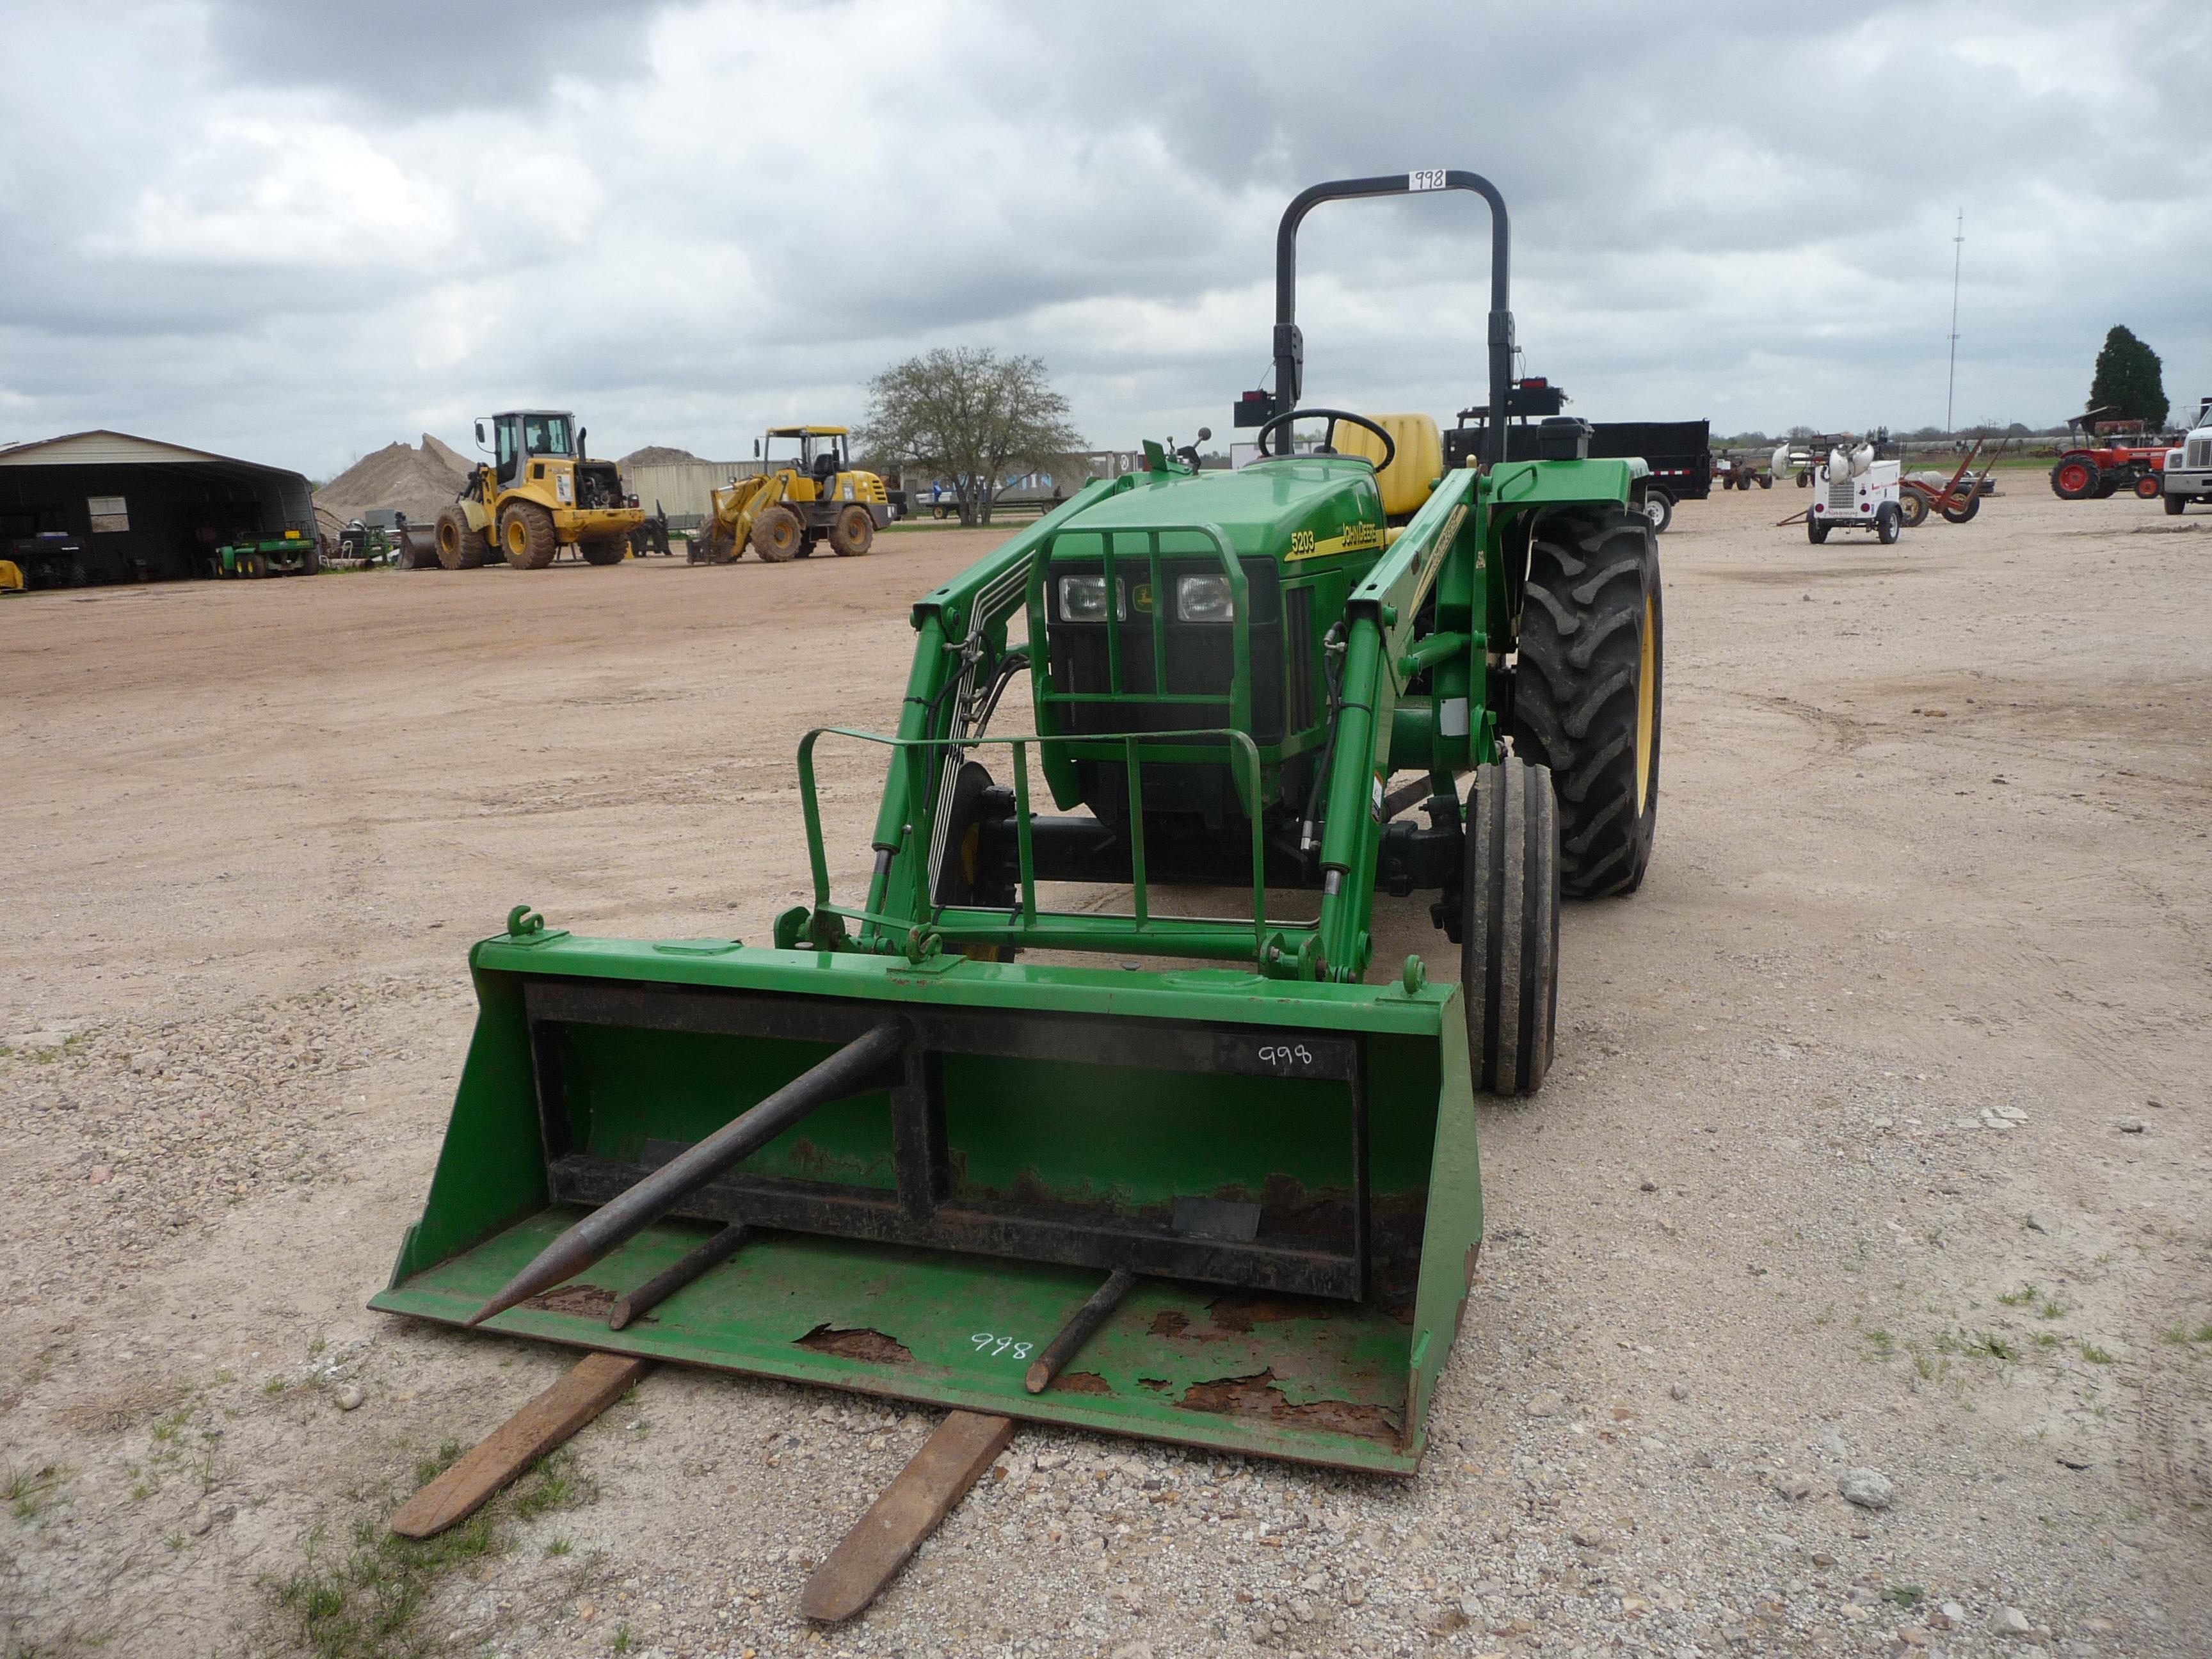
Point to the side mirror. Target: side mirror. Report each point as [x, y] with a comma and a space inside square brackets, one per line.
[1205, 432]
[480, 436]
[756, 449]
[582, 433]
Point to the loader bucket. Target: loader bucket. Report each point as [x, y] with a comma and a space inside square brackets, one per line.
[1287, 1168]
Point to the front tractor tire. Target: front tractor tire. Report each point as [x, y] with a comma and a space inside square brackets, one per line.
[852, 532]
[459, 548]
[777, 534]
[605, 549]
[1509, 930]
[526, 538]
[1587, 695]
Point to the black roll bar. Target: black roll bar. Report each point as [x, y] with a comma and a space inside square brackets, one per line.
[1290, 344]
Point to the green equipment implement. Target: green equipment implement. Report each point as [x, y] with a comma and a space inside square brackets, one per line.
[1221, 1188]
[293, 553]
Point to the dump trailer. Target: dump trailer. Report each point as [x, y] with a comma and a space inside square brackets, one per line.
[812, 493]
[538, 494]
[964, 1130]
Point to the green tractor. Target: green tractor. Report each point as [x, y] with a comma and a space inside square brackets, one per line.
[1202, 1170]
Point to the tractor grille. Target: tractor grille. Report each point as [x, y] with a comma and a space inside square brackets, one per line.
[1199, 657]
[1843, 494]
[1297, 643]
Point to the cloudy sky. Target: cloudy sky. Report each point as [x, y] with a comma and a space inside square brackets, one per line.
[298, 232]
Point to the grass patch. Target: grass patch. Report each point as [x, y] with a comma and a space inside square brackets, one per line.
[364, 1604]
[2021, 1297]
[2182, 1336]
[622, 1638]
[2096, 1356]
[31, 1493]
[1905, 1595]
[1883, 1344]
[1988, 1345]
[367, 1602]
[2050, 1310]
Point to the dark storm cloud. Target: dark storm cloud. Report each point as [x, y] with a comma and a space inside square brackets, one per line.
[304, 230]
[410, 57]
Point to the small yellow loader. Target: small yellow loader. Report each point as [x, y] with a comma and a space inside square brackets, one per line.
[795, 502]
[537, 495]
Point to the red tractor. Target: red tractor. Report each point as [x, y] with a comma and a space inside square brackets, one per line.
[2106, 457]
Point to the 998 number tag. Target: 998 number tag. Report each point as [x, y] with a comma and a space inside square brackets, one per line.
[991, 1345]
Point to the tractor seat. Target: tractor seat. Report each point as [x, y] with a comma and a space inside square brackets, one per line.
[1413, 471]
[825, 465]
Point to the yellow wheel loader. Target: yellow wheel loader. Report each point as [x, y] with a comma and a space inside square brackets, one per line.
[537, 495]
[795, 501]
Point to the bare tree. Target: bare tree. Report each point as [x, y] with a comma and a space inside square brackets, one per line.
[967, 415]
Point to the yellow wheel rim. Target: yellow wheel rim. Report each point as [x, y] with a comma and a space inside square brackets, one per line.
[517, 536]
[1646, 706]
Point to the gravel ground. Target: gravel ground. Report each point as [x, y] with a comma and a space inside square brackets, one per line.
[1844, 1291]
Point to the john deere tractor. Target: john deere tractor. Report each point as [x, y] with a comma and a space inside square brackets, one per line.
[811, 491]
[1017, 1117]
[537, 495]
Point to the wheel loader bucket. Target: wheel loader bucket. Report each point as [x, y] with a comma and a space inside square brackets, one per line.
[1280, 1175]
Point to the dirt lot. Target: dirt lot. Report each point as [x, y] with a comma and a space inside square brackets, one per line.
[1877, 1138]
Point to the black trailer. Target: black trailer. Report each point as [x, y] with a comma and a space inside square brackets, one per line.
[1678, 453]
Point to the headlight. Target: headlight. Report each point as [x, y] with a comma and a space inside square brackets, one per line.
[1082, 599]
[1204, 599]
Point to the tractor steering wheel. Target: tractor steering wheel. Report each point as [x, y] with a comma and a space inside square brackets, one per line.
[1329, 442]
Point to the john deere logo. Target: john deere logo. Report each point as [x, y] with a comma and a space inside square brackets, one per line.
[1144, 596]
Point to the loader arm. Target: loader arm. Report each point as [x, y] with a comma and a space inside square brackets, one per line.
[736, 506]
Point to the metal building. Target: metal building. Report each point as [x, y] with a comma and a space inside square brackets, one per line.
[103, 507]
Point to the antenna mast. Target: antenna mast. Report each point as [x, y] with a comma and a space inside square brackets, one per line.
[1958, 254]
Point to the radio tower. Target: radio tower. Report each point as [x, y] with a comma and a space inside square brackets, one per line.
[1958, 254]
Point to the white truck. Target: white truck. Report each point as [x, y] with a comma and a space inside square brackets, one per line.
[2189, 469]
[1851, 490]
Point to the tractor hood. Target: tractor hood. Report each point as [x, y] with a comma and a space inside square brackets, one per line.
[1296, 508]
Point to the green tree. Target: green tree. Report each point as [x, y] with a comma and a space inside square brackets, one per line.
[2129, 382]
[967, 416]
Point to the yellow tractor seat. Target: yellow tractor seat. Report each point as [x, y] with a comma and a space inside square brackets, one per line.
[1420, 462]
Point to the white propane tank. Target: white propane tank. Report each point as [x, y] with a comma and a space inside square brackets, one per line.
[1862, 458]
[1779, 465]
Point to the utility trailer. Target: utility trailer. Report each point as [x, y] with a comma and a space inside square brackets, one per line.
[1677, 455]
[294, 553]
[1223, 1190]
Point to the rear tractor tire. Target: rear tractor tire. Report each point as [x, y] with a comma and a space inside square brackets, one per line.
[776, 535]
[1587, 695]
[605, 549]
[852, 532]
[2074, 479]
[525, 536]
[459, 548]
[1509, 933]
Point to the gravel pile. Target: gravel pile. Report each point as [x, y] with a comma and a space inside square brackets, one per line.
[417, 481]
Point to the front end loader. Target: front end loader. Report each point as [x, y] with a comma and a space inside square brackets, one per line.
[538, 494]
[1193, 1166]
[812, 495]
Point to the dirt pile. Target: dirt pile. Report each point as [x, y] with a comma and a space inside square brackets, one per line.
[415, 481]
[656, 455]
